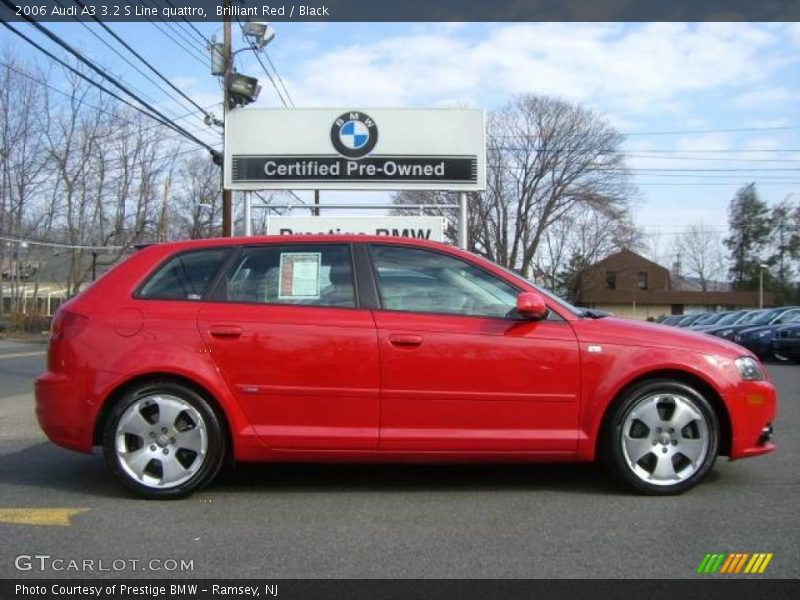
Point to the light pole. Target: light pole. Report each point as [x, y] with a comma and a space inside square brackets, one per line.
[761, 268]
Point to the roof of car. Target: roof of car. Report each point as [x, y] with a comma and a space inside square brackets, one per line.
[313, 239]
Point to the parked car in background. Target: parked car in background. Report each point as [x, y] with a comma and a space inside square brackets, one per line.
[671, 319]
[689, 319]
[731, 318]
[758, 339]
[709, 319]
[363, 348]
[759, 318]
[786, 343]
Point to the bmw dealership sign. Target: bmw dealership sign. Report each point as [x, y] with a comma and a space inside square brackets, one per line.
[355, 149]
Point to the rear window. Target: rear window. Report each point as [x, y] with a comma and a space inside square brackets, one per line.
[186, 276]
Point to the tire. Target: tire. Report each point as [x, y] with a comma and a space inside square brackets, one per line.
[661, 439]
[779, 357]
[163, 440]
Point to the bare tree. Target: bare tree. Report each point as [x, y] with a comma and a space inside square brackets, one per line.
[545, 157]
[197, 204]
[577, 241]
[701, 251]
[23, 161]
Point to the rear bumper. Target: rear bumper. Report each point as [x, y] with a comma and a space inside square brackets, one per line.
[752, 409]
[63, 412]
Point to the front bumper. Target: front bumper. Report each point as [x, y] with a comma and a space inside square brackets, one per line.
[752, 408]
[63, 413]
[789, 348]
[760, 346]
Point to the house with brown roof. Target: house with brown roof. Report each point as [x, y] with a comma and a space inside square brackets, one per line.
[630, 285]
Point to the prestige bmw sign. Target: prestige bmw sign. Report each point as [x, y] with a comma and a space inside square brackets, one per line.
[355, 149]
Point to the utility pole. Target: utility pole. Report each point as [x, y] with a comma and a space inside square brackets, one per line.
[315, 212]
[227, 195]
[164, 225]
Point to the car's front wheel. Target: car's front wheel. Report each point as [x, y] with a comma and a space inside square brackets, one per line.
[163, 440]
[662, 438]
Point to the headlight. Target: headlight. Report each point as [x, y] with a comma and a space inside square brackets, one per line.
[749, 368]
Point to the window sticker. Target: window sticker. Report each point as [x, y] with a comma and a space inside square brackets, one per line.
[299, 275]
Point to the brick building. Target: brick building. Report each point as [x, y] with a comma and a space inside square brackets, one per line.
[629, 285]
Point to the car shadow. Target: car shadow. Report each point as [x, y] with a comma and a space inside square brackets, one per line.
[46, 466]
[390, 477]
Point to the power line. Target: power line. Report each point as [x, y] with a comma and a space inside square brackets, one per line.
[126, 60]
[32, 242]
[254, 48]
[720, 159]
[189, 51]
[105, 75]
[704, 183]
[672, 132]
[203, 38]
[147, 64]
[280, 79]
[81, 75]
[272, 64]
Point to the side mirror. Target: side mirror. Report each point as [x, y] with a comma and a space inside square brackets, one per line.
[531, 305]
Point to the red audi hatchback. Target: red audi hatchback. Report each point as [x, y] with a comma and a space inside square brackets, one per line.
[356, 348]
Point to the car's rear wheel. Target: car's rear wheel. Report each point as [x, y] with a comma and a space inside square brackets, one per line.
[163, 440]
[662, 438]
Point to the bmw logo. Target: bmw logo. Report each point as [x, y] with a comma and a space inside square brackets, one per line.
[354, 134]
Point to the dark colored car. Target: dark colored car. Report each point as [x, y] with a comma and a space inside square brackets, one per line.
[709, 319]
[759, 339]
[731, 318]
[786, 343]
[363, 348]
[671, 320]
[761, 317]
[689, 319]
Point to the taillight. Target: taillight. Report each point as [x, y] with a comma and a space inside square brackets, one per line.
[67, 325]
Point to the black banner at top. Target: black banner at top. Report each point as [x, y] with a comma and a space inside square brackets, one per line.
[401, 10]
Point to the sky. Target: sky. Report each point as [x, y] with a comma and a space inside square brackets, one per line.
[710, 106]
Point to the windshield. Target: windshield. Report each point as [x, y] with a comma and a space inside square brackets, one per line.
[709, 319]
[731, 318]
[764, 318]
[751, 318]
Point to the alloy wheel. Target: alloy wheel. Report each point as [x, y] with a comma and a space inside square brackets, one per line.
[161, 441]
[665, 439]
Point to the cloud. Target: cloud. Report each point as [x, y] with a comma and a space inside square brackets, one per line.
[765, 97]
[630, 69]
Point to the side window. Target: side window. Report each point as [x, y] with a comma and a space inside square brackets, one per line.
[319, 275]
[186, 276]
[416, 280]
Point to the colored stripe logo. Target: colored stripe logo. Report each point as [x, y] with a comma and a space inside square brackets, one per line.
[734, 563]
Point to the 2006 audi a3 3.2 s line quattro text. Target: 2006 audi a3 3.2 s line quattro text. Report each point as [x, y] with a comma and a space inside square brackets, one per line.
[357, 348]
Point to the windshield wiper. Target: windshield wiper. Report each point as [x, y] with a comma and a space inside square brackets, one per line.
[593, 313]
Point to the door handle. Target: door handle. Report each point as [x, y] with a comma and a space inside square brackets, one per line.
[405, 340]
[225, 331]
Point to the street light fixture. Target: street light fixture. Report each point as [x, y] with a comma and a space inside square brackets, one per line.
[761, 268]
[243, 89]
[260, 34]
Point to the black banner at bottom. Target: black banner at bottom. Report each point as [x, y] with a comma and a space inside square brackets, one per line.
[398, 589]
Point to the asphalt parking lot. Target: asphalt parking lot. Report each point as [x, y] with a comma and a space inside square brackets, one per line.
[282, 521]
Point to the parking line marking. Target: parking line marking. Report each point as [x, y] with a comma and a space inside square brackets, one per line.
[59, 517]
[23, 354]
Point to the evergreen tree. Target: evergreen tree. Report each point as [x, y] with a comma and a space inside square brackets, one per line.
[785, 250]
[749, 225]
